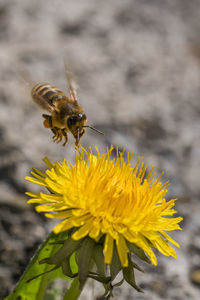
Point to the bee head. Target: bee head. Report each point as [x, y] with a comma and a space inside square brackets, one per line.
[75, 124]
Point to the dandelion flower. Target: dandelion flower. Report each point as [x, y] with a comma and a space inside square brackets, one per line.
[105, 198]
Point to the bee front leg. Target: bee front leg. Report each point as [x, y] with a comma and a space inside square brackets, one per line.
[81, 133]
[78, 137]
[76, 144]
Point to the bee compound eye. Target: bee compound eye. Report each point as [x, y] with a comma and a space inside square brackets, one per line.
[72, 121]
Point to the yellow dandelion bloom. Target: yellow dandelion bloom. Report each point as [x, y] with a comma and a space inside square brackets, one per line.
[101, 196]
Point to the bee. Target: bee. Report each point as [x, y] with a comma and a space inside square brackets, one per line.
[66, 115]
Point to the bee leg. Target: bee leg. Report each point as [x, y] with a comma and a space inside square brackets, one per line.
[64, 133]
[77, 138]
[60, 135]
[81, 133]
[56, 133]
[76, 144]
[48, 121]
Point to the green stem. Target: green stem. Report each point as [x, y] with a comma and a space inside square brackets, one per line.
[73, 292]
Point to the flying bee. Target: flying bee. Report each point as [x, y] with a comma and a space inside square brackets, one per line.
[66, 114]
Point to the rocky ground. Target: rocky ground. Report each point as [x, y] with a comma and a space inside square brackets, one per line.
[137, 64]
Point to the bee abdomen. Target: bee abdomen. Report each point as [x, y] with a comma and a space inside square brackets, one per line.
[47, 93]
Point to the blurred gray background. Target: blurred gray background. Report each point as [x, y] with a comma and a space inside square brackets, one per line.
[137, 65]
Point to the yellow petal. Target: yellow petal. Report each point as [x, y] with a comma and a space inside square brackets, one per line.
[122, 250]
[35, 200]
[60, 215]
[83, 231]
[170, 239]
[37, 175]
[40, 182]
[108, 249]
[52, 207]
[39, 172]
[94, 232]
[49, 164]
[36, 195]
[62, 226]
[52, 198]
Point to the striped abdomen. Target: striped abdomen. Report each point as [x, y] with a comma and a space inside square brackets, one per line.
[46, 95]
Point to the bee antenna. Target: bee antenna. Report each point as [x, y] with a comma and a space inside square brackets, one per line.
[94, 129]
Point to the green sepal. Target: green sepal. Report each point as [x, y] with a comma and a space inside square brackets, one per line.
[66, 250]
[138, 252]
[98, 258]
[77, 256]
[129, 276]
[115, 266]
[109, 290]
[66, 268]
[118, 283]
[135, 266]
[84, 260]
[102, 279]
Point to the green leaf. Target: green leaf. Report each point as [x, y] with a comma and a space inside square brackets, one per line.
[58, 273]
[35, 289]
[65, 251]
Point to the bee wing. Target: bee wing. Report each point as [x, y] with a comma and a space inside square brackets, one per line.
[42, 103]
[25, 78]
[71, 84]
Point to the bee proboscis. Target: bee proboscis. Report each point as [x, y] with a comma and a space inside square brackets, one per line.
[66, 115]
